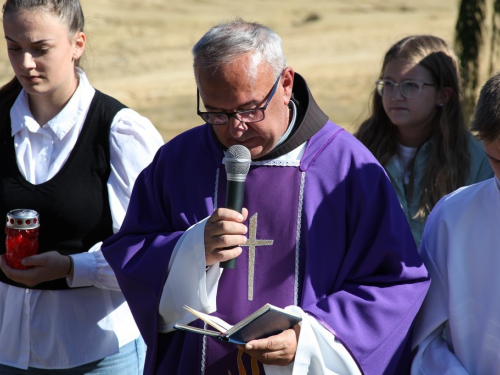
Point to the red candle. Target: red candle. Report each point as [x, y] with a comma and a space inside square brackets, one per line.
[21, 236]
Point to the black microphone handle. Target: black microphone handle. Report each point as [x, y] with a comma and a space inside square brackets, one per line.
[234, 201]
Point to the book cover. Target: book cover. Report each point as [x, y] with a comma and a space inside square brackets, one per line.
[267, 321]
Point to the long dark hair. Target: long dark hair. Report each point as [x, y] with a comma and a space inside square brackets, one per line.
[8, 94]
[449, 161]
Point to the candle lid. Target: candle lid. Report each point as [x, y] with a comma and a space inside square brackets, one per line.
[23, 219]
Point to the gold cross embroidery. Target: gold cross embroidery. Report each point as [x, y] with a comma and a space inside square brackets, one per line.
[252, 243]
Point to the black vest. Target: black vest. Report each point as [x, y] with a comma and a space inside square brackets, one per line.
[73, 205]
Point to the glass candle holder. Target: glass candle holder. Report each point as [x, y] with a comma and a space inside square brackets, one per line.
[21, 236]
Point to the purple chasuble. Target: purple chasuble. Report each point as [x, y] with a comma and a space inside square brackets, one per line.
[335, 243]
[266, 270]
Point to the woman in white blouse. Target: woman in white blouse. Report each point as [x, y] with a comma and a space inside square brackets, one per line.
[72, 154]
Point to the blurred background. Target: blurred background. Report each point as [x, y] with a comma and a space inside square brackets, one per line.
[139, 51]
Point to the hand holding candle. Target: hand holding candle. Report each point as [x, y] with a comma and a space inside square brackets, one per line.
[21, 236]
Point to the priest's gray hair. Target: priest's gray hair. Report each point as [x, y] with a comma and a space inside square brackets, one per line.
[223, 43]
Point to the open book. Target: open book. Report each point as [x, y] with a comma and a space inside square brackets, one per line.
[267, 321]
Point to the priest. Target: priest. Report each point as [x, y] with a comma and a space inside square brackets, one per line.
[321, 233]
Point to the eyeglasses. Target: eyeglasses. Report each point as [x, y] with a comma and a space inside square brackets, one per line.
[409, 89]
[249, 115]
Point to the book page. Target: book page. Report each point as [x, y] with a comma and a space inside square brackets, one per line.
[213, 321]
[207, 332]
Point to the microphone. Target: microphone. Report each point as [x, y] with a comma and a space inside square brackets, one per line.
[238, 162]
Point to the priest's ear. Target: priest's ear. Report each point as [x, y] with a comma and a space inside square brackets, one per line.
[287, 84]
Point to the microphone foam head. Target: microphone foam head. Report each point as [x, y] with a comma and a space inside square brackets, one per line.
[238, 160]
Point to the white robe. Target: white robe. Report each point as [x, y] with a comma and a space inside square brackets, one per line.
[458, 327]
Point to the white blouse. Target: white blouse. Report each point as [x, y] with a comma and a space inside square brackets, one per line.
[405, 154]
[67, 328]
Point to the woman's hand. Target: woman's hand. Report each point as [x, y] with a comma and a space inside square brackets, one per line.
[44, 267]
[278, 350]
[224, 233]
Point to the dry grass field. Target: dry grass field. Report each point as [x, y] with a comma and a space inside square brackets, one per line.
[139, 51]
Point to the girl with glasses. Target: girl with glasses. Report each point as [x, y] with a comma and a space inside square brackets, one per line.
[72, 154]
[416, 129]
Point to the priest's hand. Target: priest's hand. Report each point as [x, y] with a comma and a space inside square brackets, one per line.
[223, 230]
[278, 350]
[43, 267]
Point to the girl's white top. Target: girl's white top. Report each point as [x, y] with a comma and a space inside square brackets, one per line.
[67, 328]
[405, 154]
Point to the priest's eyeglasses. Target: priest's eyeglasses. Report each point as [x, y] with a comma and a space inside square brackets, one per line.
[248, 115]
[409, 89]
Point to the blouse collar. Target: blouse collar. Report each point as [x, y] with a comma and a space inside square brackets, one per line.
[64, 121]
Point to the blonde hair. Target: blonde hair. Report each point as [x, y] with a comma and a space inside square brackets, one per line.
[448, 163]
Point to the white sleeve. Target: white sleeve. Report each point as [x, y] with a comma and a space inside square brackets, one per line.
[188, 281]
[434, 357]
[133, 142]
[318, 351]
[433, 354]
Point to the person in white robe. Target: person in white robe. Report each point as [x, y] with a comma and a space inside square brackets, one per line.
[457, 330]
